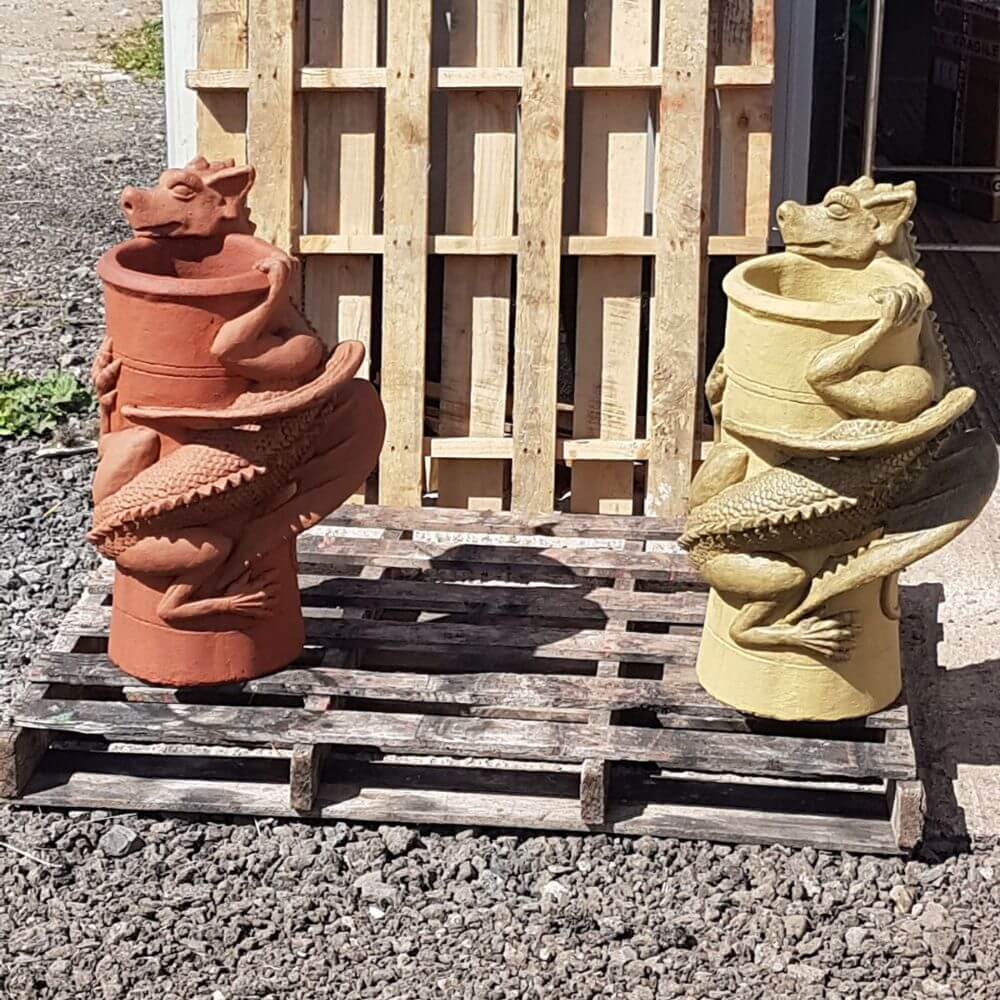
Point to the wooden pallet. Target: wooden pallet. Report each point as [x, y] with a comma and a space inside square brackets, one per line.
[468, 668]
[624, 141]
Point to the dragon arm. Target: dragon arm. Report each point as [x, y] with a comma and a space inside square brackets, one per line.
[254, 346]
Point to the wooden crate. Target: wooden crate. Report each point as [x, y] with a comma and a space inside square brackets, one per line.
[450, 170]
[468, 668]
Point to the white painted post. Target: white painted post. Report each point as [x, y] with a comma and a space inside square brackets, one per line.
[795, 31]
[180, 53]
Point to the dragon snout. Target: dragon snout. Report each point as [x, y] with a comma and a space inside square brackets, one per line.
[128, 201]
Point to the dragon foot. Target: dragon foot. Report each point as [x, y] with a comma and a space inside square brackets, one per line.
[833, 636]
[253, 597]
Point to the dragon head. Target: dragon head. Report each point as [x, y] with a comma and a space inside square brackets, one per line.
[853, 222]
[200, 199]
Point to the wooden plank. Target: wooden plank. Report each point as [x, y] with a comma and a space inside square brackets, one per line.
[340, 172]
[613, 160]
[745, 121]
[729, 753]
[89, 780]
[317, 549]
[222, 45]
[274, 135]
[350, 75]
[907, 808]
[325, 78]
[593, 791]
[678, 694]
[481, 166]
[762, 33]
[577, 246]
[536, 328]
[502, 641]
[549, 523]
[20, 752]
[745, 163]
[744, 76]
[681, 225]
[304, 769]
[519, 639]
[404, 286]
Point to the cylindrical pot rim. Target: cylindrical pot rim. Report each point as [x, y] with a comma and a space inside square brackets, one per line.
[811, 311]
[113, 272]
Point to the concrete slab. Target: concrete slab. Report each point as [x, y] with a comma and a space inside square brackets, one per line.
[952, 632]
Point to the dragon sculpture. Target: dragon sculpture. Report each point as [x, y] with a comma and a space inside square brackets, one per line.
[200, 495]
[890, 481]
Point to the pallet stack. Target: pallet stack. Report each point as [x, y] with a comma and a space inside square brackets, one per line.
[617, 142]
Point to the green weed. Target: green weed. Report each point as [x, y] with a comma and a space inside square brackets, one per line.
[139, 51]
[30, 406]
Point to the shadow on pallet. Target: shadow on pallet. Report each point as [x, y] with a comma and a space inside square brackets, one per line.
[485, 674]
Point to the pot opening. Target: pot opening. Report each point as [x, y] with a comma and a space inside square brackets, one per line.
[193, 266]
[196, 259]
[792, 276]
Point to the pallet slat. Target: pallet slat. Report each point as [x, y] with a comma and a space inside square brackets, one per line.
[221, 116]
[536, 326]
[404, 286]
[82, 781]
[480, 203]
[678, 692]
[676, 341]
[612, 203]
[437, 734]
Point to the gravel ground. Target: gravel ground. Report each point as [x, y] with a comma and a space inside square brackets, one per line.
[125, 906]
[65, 154]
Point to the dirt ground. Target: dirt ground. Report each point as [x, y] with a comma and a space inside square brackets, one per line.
[45, 42]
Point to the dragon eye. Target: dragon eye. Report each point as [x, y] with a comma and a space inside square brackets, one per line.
[182, 190]
[837, 210]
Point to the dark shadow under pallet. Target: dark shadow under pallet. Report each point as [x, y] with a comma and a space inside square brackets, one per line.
[471, 669]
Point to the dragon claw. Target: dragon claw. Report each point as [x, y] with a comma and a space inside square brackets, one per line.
[834, 636]
[253, 597]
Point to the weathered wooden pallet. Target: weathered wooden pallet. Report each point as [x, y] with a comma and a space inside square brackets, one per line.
[468, 668]
[482, 174]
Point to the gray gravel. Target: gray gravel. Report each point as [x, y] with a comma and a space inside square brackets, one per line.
[172, 909]
[64, 157]
[124, 906]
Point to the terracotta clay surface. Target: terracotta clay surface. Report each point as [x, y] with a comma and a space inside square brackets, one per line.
[226, 431]
[835, 465]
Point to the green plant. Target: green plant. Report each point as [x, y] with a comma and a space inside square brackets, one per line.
[140, 50]
[37, 406]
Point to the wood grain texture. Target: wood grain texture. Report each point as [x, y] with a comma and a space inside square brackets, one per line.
[222, 45]
[594, 780]
[274, 136]
[553, 524]
[342, 133]
[536, 329]
[479, 193]
[20, 752]
[727, 753]
[404, 287]
[304, 770]
[83, 780]
[681, 225]
[907, 810]
[614, 142]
